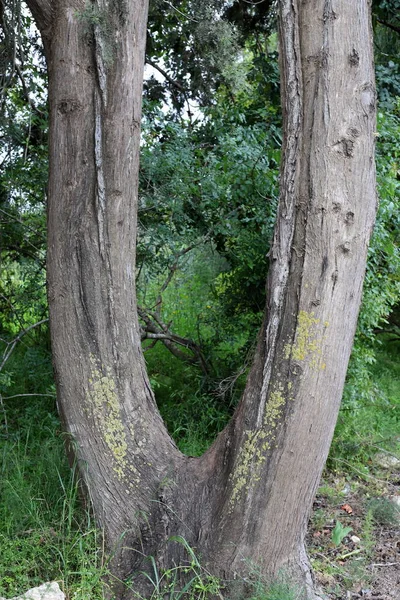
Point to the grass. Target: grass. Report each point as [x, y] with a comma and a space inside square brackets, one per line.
[45, 534]
[280, 588]
[188, 581]
[371, 425]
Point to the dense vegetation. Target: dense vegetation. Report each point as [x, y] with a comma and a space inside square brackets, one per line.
[208, 193]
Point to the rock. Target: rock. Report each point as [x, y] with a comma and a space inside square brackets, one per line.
[355, 539]
[386, 461]
[396, 500]
[46, 591]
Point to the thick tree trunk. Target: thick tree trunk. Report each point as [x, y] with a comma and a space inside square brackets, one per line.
[249, 496]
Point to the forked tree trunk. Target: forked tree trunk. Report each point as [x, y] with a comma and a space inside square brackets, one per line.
[249, 496]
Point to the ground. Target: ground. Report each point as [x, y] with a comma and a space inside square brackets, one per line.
[366, 562]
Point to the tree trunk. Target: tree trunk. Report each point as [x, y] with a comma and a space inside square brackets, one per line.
[249, 496]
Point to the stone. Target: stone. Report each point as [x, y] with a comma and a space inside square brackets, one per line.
[46, 591]
[396, 501]
[386, 461]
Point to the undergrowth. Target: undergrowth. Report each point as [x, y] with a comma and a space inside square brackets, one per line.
[45, 534]
[370, 424]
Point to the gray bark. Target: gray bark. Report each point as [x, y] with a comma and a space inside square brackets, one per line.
[249, 496]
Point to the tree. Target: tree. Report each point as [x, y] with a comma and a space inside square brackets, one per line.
[249, 496]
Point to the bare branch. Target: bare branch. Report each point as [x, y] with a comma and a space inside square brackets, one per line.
[164, 73]
[181, 13]
[11, 345]
[154, 329]
[389, 26]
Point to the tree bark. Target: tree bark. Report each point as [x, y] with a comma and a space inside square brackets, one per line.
[249, 496]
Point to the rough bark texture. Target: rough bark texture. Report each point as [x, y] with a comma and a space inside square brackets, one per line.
[249, 496]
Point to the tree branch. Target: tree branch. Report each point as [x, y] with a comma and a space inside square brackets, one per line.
[11, 345]
[154, 329]
[167, 77]
[42, 11]
[389, 26]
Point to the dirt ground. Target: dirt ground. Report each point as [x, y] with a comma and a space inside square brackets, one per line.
[365, 563]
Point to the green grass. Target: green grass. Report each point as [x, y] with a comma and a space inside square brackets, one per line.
[45, 534]
[280, 588]
[372, 423]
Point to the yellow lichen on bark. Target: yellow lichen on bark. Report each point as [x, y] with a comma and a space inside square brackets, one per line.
[256, 445]
[308, 342]
[273, 408]
[249, 456]
[105, 403]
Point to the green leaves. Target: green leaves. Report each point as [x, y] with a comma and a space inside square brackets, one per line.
[339, 533]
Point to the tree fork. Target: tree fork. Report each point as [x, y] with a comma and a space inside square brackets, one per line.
[249, 496]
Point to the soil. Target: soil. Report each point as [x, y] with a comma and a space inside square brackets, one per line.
[366, 563]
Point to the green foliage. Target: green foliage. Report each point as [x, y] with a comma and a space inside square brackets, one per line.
[214, 186]
[368, 535]
[200, 45]
[387, 46]
[339, 533]
[45, 534]
[384, 512]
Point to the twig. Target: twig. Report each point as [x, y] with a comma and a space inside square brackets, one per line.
[181, 13]
[389, 25]
[11, 345]
[4, 413]
[165, 74]
[358, 470]
[28, 227]
[29, 100]
[23, 395]
[343, 556]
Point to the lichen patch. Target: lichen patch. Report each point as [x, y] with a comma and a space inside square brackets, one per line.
[105, 403]
[308, 341]
[256, 445]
